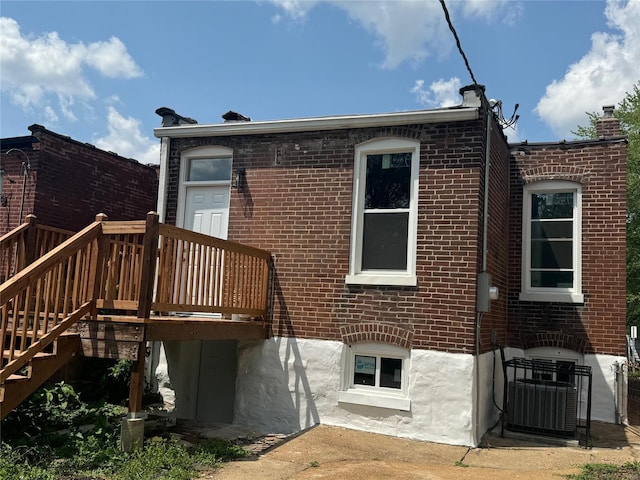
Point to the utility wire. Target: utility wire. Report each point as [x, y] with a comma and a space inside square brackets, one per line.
[455, 35]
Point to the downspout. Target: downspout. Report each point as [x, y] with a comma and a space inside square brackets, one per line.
[163, 177]
[485, 229]
[24, 188]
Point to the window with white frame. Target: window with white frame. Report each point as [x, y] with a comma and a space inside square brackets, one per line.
[555, 364]
[554, 370]
[376, 375]
[384, 219]
[551, 242]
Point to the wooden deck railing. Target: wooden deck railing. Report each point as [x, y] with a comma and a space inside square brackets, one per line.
[45, 298]
[27, 243]
[140, 266]
[191, 272]
[199, 273]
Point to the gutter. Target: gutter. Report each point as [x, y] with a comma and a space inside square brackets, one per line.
[455, 114]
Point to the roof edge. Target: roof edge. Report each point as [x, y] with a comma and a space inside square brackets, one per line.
[525, 145]
[320, 123]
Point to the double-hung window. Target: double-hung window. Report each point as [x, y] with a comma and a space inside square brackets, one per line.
[385, 203]
[376, 375]
[551, 243]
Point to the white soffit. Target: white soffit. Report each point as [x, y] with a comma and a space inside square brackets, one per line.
[319, 123]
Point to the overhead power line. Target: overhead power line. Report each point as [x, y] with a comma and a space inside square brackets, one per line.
[455, 35]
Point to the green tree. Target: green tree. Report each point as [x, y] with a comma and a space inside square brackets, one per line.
[628, 112]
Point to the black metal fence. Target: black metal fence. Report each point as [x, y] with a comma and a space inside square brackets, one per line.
[548, 397]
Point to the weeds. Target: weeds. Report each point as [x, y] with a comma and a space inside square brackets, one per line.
[38, 450]
[604, 471]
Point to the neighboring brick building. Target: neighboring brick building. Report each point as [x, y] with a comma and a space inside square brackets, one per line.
[592, 326]
[68, 182]
[381, 317]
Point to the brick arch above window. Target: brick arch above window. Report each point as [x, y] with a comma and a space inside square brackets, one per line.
[405, 131]
[568, 173]
[376, 332]
[556, 340]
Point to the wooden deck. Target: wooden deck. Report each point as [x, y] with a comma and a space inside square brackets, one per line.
[115, 286]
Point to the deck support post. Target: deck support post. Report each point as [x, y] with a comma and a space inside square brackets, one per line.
[132, 431]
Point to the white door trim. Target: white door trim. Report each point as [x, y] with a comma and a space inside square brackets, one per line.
[197, 152]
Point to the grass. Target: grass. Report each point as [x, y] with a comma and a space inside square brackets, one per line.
[161, 459]
[605, 471]
[45, 441]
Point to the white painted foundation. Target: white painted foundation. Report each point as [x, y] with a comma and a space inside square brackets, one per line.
[286, 385]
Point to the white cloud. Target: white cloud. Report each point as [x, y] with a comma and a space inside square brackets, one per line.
[111, 59]
[601, 77]
[513, 134]
[296, 9]
[488, 8]
[406, 30]
[38, 71]
[125, 138]
[50, 115]
[66, 102]
[442, 93]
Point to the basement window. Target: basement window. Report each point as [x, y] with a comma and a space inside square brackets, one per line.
[376, 375]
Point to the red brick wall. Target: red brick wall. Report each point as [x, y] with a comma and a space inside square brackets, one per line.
[297, 204]
[598, 325]
[14, 183]
[70, 182]
[493, 325]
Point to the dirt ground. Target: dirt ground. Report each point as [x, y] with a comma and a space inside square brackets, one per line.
[336, 453]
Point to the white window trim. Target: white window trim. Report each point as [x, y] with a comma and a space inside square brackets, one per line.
[554, 354]
[397, 399]
[195, 153]
[544, 294]
[383, 277]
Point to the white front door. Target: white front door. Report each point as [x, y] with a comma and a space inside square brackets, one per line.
[207, 210]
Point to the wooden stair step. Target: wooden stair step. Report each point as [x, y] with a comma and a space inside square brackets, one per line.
[41, 367]
[11, 380]
[43, 356]
[16, 378]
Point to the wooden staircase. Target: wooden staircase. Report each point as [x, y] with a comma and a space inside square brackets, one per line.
[18, 387]
[56, 287]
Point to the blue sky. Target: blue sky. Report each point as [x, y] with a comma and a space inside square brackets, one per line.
[96, 71]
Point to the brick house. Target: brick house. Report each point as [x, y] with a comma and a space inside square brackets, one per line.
[65, 183]
[389, 233]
